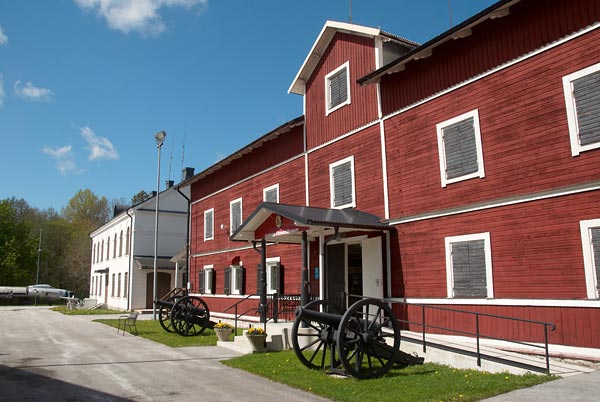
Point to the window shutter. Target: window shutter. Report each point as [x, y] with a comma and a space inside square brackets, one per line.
[201, 281]
[276, 278]
[236, 215]
[338, 88]
[208, 225]
[271, 195]
[586, 91]
[596, 252]
[227, 280]
[460, 149]
[342, 184]
[211, 280]
[468, 265]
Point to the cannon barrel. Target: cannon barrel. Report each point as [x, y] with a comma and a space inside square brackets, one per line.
[332, 320]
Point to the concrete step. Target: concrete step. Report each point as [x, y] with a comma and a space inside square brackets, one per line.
[278, 338]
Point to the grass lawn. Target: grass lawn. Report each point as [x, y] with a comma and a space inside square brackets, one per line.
[99, 311]
[152, 330]
[428, 382]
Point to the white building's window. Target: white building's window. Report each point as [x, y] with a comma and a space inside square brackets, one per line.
[271, 194]
[337, 88]
[209, 224]
[469, 266]
[273, 275]
[112, 288]
[590, 241]
[119, 285]
[582, 99]
[235, 214]
[126, 288]
[459, 147]
[341, 182]
[206, 280]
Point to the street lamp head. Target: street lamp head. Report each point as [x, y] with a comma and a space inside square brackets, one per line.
[160, 138]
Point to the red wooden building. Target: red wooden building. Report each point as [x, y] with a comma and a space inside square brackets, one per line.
[463, 173]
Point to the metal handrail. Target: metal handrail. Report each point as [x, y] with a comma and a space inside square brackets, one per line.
[236, 315]
[546, 327]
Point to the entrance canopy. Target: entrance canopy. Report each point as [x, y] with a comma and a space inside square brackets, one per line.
[282, 223]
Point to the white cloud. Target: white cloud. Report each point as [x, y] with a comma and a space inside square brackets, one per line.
[3, 37]
[100, 147]
[65, 160]
[135, 15]
[32, 93]
[2, 93]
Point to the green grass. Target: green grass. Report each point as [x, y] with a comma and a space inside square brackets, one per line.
[99, 311]
[428, 382]
[152, 330]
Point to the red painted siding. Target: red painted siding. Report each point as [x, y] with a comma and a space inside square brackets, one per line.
[524, 134]
[368, 177]
[536, 249]
[282, 148]
[360, 52]
[530, 25]
[575, 326]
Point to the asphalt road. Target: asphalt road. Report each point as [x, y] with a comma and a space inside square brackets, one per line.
[46, 356]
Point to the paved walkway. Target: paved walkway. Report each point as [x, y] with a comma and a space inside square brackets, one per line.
[46, 356]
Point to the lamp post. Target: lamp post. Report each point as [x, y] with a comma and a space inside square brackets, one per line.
[160, 139]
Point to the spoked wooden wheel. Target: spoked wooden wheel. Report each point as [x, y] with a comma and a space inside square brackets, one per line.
[190, 316]
[362, 339]
[313, 341]
[164, 315]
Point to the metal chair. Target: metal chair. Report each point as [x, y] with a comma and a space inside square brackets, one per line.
[128, 321]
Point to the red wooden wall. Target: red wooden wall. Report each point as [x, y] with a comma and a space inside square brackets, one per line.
[360, 51]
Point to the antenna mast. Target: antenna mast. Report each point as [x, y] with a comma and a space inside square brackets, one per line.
[450, 13]
[350, 9]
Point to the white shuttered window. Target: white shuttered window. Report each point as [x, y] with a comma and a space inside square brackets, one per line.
[337, 88]
[341, 182]
[209, 224]
[469, 266]
[235, 214]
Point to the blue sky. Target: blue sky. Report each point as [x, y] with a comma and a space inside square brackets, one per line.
[85, 84]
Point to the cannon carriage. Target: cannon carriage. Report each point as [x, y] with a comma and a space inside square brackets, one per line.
[363, 342]
[186, 315]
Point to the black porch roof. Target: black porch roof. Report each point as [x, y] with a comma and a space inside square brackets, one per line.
[322, 220]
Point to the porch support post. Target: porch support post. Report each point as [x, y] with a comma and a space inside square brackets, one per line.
[263, 281]
[304, 295]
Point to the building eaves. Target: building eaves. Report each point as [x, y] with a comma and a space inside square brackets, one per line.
[462, 30]
[284, 128]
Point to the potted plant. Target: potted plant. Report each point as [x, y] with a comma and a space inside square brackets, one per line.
[258, 339]
[223, 330]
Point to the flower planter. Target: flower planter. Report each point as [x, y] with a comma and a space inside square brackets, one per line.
[258, 342]
[223, 333]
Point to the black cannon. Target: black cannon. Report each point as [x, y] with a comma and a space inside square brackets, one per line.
[183, 314]
[364, 341]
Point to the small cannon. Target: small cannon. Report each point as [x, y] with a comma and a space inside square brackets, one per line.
[185, 315]
[365, 340]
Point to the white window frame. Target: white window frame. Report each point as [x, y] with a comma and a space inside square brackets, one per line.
[208, 283]
[231, 230]
[442, 153]
[267, 189]
[329, 110]
[488, 261]
[576, 147]
[331, 183]
[271, 262]
[588, 258]
[209, 211]
[234, 287]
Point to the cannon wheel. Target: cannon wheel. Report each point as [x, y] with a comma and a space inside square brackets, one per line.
[190, 316]
[362, 341]
[320, 339]
[164, 315]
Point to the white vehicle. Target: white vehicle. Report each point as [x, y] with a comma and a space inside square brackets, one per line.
[47, 291]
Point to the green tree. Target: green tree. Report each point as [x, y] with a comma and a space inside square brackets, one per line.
[140, 197]
[18, 249]
[85, 206]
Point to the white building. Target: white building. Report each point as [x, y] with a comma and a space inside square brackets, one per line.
[122, 265]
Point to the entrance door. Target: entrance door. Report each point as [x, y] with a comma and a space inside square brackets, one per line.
[335, 275]
[163, 286]
[372, 268]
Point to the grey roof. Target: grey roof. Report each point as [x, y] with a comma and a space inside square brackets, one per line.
[148, 262]
[313, 217]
